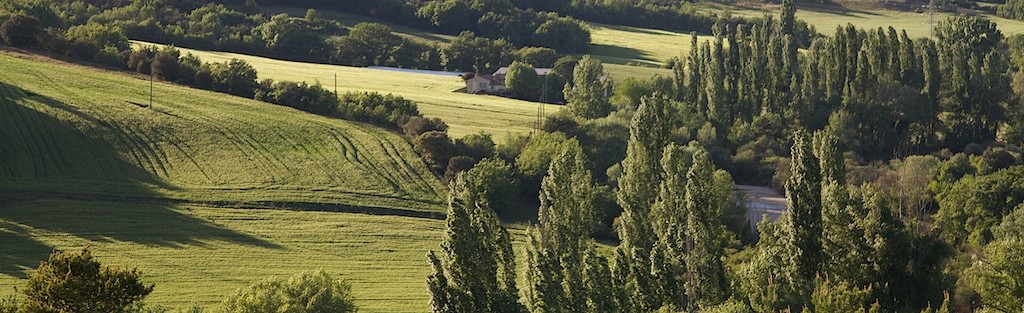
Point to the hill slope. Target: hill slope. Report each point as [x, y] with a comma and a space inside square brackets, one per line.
[68, 129]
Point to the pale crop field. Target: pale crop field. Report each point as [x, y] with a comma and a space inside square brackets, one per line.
[72, 130]
[197, 256]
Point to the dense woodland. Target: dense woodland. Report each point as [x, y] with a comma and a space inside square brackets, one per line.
[900, 157]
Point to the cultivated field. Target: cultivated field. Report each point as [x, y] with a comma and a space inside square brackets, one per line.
[72, 130]
[198, 256]
[436, 95]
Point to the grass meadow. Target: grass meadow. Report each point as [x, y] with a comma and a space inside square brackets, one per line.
[69, 129]
[196, 256]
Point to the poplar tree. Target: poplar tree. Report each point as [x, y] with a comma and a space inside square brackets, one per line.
[669, 221]
[638, 188]
[787, 17]
[842, 250]
[587, 97]
[557, 278]
[705, 283]
[476, 271]
[803, 195]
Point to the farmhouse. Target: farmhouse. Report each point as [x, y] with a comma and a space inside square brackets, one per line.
[494, 83]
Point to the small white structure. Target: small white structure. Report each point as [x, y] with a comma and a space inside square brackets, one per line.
[494, 83]
[762, 202]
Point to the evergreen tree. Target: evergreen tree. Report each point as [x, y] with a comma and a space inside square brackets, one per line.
[587, 97]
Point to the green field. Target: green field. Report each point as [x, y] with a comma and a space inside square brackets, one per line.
[198, 256]
[72, 130]
[436, 95]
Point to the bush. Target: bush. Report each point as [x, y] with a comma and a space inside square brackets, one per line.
[478, 146]
[21, 30]
[458, 165]
[316, 292]
[75, 282]
[309, 98]
[234, 77]
[498, 181]
[417, 125]
[436, 148]
[377, 109]
[165, 64]
[100, 35]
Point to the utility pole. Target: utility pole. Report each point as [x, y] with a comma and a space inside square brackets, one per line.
[335, 84]
[151, 88]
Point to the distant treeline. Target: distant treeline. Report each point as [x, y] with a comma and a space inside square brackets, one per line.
[246, 29]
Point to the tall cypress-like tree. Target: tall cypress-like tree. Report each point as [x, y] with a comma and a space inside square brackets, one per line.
[803, 195]
[842, 250]
[705, 281]
[787, 17]
[476, 272]
[557, 278]
[638, 190]
[669, 221]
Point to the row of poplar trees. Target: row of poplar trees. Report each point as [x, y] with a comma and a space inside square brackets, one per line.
[834, 250]
[896, 94]
[673, 237]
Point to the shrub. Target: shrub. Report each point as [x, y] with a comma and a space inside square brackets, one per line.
[21, 30]
[234, 77]
[417, 125]
[316, 292]
[310, 98]
[165, 64]
[377, 109]
[458, 165]
[497, 179]
[478, 146]
[75, 282]
[436, 148]
[100, 35]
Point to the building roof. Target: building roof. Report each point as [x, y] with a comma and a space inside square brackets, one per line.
[540, 71]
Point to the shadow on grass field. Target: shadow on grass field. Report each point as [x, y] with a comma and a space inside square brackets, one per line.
[21, 252]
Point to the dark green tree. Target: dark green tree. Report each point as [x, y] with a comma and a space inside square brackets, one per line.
[587, 96]
[76, 283]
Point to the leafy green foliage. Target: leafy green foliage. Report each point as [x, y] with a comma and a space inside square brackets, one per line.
[477, 270]
[587, 97]
[522, 81]
[974, 204]
[20, 30]
[75, 282]
[235, 77]
[377, 109]
[315, 292]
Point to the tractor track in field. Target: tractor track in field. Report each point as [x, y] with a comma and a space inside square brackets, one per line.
[17, 196]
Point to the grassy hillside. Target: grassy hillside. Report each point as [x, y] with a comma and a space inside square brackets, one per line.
[436, 95]
[68, 129]
[198, 256]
